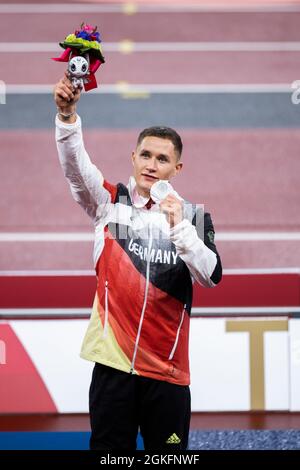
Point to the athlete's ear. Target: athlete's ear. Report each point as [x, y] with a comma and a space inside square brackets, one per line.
[178, 168]
[133, 157]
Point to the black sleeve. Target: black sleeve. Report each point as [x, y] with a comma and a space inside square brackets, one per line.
[204, 227]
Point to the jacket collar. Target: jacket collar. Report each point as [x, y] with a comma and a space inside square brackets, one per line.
[137, 200]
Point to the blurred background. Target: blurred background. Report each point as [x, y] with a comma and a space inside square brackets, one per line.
[224, 75]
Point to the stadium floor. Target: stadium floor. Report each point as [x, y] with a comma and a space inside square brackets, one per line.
[209, 431]
[198, 440]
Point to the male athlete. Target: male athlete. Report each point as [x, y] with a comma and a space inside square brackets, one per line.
[149, 249]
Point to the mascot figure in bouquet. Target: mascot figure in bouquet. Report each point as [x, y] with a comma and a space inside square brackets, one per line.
[83, 53]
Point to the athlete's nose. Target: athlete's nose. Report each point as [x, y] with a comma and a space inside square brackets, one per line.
[151, 165]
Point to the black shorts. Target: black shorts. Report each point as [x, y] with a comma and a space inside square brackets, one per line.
[122, 403]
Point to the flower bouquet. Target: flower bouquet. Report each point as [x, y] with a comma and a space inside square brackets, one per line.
[83, 52]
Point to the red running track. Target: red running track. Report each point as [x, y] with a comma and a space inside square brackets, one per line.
[235, 172]
[248, 180]
[204, 26]
[153, 68]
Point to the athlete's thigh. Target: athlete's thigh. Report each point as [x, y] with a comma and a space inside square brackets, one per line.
[112, 410]
[165, 411]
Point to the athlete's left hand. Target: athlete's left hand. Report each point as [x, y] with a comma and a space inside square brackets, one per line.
[173, 208]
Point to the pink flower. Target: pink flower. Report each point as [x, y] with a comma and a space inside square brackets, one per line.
[88, 28]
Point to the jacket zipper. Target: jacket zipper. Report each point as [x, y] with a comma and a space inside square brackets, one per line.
[105, 327]
[145, 300]
[177, 335]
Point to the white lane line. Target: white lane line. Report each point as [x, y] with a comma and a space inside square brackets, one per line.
[91, 273]
[131, 46]
[34, 312]
[196, 311]
[131, 8]
[260, 271]
[89, 237]
[120, 88]
[245, 310]
[46, 237]
[257, 236]
[48, 273]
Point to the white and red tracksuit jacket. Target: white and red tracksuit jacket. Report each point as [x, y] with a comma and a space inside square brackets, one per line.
[145, 270]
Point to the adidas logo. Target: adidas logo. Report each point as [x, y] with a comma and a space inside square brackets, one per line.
[174, 439]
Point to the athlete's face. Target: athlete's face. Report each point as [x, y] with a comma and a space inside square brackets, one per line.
[154, 159]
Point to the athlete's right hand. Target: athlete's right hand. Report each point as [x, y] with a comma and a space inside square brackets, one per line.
[65, 96]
